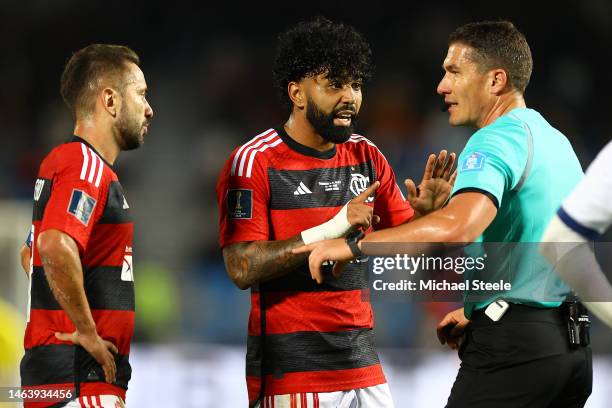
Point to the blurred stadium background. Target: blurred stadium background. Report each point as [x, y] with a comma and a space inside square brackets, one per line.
[209, 76]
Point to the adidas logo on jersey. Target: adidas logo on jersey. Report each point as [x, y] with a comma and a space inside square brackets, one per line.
[302, 189]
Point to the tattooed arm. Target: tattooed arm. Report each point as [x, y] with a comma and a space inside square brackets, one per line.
[60, 259]
[248, 263]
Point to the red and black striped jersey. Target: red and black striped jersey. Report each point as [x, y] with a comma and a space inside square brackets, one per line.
[78, 193]
[316, 338]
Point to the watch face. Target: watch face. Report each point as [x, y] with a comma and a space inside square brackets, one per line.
[355, 235]
[352, 239]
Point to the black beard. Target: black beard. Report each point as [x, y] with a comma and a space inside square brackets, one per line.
[128, 132]
[323, 123]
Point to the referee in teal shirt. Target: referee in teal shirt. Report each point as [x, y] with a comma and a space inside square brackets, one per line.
[512, 177]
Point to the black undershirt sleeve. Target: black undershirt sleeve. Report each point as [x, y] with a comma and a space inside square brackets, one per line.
[479, 190]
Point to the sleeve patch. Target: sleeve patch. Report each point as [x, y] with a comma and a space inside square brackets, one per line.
[28, 241]
[240, 204]
[474, 162]
[81, 206]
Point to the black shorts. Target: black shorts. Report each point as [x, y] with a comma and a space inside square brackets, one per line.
[522, 361]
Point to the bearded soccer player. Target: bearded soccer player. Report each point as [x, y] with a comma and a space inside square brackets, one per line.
[310, 179]
[81, 315]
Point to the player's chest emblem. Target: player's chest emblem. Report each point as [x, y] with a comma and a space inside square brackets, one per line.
[359, 183]
[318, 187]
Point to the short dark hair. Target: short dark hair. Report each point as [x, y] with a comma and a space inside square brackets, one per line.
[498, 44]
[86, 67]
[320, 46]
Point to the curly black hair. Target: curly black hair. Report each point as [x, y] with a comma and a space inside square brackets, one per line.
[321, 46]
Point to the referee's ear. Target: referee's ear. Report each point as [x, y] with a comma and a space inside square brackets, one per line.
[296, 94]
[498, 80]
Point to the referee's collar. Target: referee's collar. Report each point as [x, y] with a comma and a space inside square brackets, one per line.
[75, 138]
[300, 148]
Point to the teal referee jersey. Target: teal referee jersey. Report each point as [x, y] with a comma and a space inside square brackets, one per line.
[527, 167]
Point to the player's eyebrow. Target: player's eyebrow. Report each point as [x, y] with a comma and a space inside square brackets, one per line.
[450, 67]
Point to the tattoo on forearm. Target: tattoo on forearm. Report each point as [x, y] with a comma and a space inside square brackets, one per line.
[263, 260]
[62, 297]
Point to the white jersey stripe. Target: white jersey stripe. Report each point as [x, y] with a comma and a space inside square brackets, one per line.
[100, 171]
[264, 147]
[362, 140]
[250, 148]
[358, 138]
[92, 169]
[235, 161]
[85, 161]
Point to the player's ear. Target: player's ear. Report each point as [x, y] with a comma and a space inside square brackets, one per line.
[109, 99]
[296, 94]
[498, 79]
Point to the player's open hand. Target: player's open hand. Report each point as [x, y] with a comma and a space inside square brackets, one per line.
[360, 214]
[451, 328]
[99, 349]
[436, 185]
[329, 250]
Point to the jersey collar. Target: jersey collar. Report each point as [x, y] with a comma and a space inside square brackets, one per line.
[86, 143]
[305, 150]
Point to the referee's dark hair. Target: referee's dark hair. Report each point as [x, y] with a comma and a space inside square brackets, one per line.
[497, 44]
[86, 71]
[320, 46]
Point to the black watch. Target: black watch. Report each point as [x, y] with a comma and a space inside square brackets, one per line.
[352, 239]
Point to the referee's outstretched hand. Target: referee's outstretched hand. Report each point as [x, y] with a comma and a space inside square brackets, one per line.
[451, 328]
[100, 349]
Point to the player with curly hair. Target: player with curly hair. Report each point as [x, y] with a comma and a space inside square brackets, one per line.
[312, 178]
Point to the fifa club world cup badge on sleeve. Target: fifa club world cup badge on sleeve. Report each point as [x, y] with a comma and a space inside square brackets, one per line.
[240, 204]
[81, 206]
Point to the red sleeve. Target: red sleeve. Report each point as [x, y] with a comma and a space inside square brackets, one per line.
[390, 204]
[76, 203]
[243, 202]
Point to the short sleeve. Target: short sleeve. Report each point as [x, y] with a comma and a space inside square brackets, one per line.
[78, 196]
[587, 209]
[390, 204]
[243, 200]
[493, 161]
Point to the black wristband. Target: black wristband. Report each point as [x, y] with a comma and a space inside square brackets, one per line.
[352, 239]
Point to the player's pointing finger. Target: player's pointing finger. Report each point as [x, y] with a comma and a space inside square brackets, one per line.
[367, 192]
